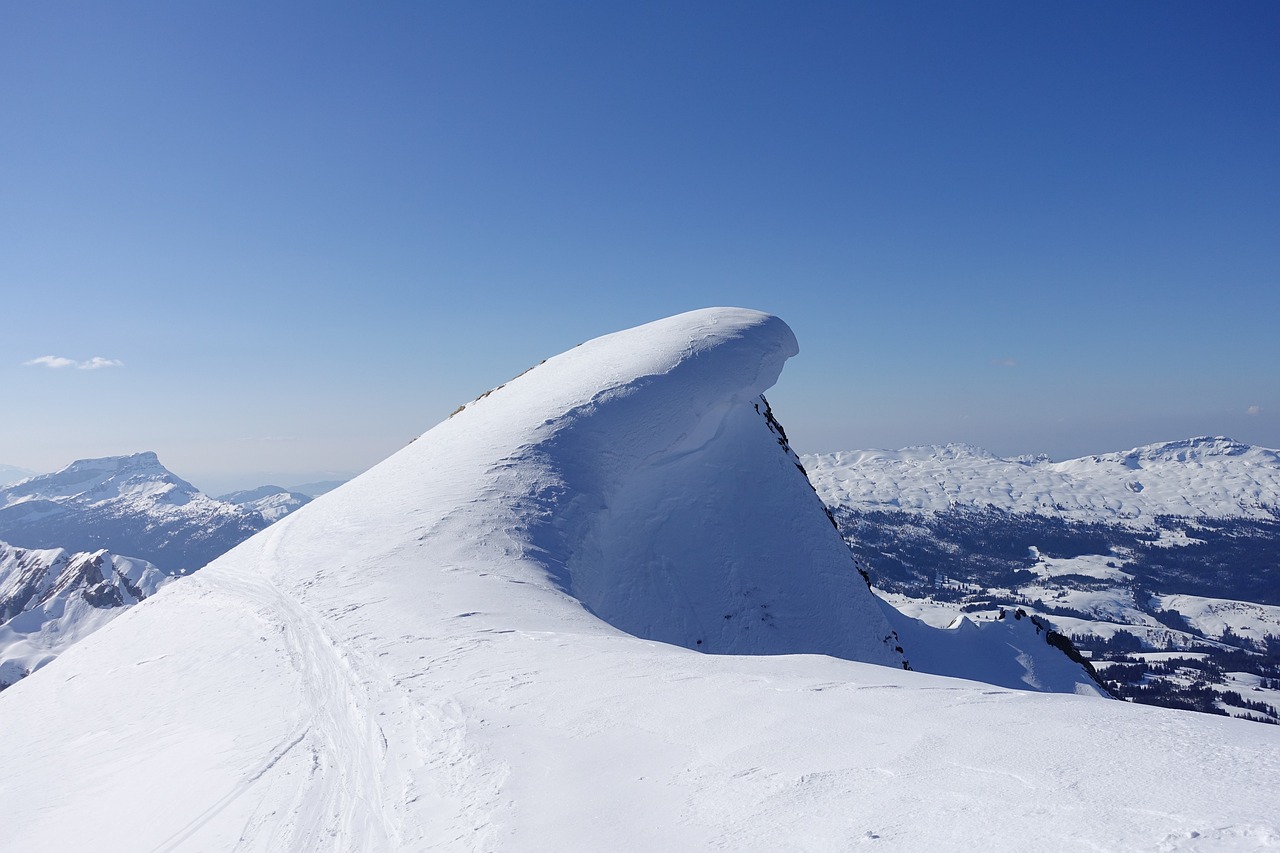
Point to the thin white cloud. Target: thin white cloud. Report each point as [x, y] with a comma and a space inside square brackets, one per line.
[98, 361]
[1005, 362]
[56, 361]
[1253, 410]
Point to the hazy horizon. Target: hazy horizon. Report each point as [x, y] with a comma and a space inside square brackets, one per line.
[217, 483]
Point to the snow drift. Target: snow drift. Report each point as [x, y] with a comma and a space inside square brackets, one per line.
[459, 650]
[644, 475]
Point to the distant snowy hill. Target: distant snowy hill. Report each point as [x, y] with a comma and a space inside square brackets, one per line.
[50, 599]
[273, 502]
[12, 474]
[492, 641]
[125, 504]
[1211, 477]
[1163, 560]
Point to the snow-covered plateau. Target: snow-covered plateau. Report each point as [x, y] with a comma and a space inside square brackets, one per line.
[1204, 477]
[600, 608]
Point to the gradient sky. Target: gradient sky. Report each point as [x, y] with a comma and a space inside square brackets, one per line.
[296, 235]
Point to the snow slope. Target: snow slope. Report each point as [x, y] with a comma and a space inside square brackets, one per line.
[50, 599]
[1215, 616]
[1200, 477]
[428, 658]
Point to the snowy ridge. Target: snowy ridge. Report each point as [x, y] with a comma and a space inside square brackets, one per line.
[420, 660]
[1199, 477]
[1010, 651]
[271, 502]
[95, 480]
[595, 475]
[50, 599]
[1215, 616]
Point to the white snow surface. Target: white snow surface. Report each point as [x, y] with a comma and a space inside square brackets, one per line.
[423, 660]
[1214, 616]
[1198, 477]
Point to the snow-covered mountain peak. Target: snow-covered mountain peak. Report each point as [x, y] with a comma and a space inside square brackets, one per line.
[127, 504]
[50, 599]
[645, 478]
[735, 353]
[273, 502]
[105, 478]
[1199, 449]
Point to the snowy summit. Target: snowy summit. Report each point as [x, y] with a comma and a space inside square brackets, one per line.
[496, 640]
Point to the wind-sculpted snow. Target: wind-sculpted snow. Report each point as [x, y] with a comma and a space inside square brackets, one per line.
[424, 659]
[1199, 477]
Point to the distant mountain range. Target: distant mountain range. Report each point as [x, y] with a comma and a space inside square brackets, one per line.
[50, 599]
[132, 505]
[273, 502]
[1205, 477]
[12, 474]
[1162, 562]
[62, 573]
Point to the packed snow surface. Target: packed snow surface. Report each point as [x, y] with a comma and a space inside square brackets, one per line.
[1199, 477]
[492, 641]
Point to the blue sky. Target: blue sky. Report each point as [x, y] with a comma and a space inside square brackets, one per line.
[308, 232]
